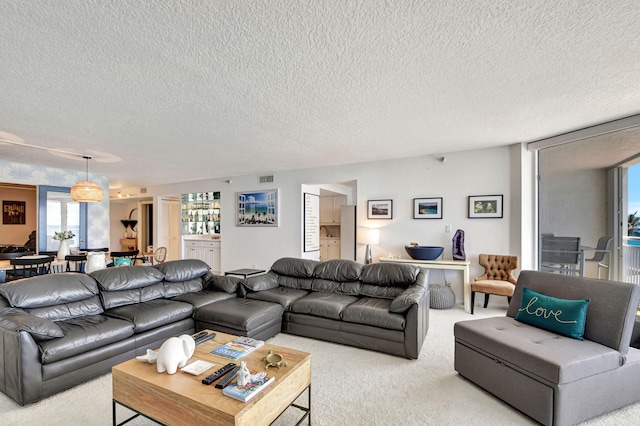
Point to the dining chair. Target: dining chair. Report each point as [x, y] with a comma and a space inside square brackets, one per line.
[132, 255]
[602, 251]
[562, 254]
[29, 267]
[76, 262]
[497, 279]
[160, 255]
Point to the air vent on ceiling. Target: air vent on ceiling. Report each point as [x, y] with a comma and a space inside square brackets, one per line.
[266, 179]
[143, 190]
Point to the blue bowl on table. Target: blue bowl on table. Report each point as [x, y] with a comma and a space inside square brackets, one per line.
[424, 252]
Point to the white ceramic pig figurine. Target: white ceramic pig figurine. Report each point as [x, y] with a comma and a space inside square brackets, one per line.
[174, 353]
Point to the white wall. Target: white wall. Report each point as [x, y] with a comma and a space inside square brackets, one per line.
[478, 172]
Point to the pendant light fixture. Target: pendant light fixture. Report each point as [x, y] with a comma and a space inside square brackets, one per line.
[85, 191]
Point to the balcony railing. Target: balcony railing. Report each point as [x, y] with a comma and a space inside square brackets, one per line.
[631, 260]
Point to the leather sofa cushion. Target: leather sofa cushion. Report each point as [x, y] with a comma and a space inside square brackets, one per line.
[127, 277]
[389, 274]
[48, 290]
[374, 312]
[227, 283]
[293, 282]
[176, 288]
[240, 314]
[182, 270]
[338, 270]
[154, 313]
[379, 291]
[113, 299]
[293, 267]
[327, 305]
[204, 297]
[16, 320]
[84, 334]
[282, 295]
[539, 352]
[90, 306]
[261, 282]
[351, 288]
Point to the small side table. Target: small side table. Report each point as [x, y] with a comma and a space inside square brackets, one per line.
[245, 272]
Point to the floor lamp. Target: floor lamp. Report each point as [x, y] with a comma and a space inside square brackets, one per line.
[368, 236]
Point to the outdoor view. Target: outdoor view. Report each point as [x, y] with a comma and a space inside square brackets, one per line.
[633, 202]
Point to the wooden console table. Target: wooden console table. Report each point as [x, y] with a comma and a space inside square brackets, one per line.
[456, 265]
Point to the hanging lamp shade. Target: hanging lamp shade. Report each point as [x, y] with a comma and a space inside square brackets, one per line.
[85, 191]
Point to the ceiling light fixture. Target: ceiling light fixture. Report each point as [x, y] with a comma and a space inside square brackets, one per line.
[85, 191]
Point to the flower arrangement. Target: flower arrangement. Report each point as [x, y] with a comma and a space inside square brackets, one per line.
[64, 235]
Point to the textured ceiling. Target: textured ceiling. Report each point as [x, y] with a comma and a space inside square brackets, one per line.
[186, 90]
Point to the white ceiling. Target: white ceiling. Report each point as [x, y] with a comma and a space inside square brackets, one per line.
[187, 90]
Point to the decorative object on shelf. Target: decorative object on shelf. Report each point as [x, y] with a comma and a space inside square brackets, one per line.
[257, 208]
[64, 237]
[380, 209]
[274, 360]
[174, 353]
[485, 206]
[14, 212]
[458, 245]
[424, 252]
[85, 191]
[368, 236]
[427, 208]
[95, 262]
[130, 224]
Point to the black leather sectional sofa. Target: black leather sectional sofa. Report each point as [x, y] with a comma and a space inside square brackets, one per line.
[59, 330]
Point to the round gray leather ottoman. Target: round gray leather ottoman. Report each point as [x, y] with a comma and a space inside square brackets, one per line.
[441, 296]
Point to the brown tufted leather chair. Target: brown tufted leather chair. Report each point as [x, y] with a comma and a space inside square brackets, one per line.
[497, 279]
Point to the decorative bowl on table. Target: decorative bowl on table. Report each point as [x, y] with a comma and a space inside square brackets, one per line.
[424, 252]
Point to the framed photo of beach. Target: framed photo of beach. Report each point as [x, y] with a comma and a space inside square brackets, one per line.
[380, 209]
[257, 208]
[427, 208]
[485, 206]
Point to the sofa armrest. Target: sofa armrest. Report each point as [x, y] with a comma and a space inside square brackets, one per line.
[410, 296]
[226, 283]
[261, 282]
[16, 320]
[20, 366]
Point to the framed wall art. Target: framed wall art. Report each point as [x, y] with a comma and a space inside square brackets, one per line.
[427, 208]
[485, 206]
[311, 234]
[257, 208]
[380, 209]
[13, 212]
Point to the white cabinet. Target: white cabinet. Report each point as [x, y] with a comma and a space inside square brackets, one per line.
[329, 248]
[207, 251]
[330, 209]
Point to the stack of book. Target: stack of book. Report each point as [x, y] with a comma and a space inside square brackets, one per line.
[251, 389]
[237, 348]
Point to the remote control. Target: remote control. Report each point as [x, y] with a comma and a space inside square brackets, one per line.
[218, 373]
[205, 338]
[228, 378]
[199, 335]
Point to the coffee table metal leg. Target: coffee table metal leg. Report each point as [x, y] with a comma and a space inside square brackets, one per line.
[113, 414]
[307, 410]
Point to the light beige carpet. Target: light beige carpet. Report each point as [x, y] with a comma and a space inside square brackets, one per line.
[349, 387]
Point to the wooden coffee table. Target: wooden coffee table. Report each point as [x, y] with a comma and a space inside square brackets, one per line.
[182, 399]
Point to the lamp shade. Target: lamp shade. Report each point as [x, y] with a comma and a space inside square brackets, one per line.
[368, 236]
[86, 192]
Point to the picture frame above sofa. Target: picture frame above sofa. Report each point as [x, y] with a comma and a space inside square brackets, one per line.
[485, 206]
[258, 208]
[380, 209]
[427, 208]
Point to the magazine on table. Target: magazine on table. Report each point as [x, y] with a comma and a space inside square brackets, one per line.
[249, 341]
[251, 389]
[233, 350]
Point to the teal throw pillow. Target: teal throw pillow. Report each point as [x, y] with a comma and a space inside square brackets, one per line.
[562, 316]
[121, 261]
